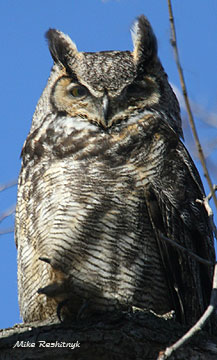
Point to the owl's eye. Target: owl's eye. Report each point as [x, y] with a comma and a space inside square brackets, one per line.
[136, 90]
[78, 91]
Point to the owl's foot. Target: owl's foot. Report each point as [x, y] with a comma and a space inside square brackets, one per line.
[50, 262]
[51, 290]
[59, 309]
[66, 302]
[47, 260]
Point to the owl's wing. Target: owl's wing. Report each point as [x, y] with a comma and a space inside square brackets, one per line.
[174, 212]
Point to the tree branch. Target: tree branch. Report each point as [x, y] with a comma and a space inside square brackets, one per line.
[136, 335]
[198, 326]
[8, 185]
[7, 231]
[187, 103]
[187, 251]
[10, 211]
[205, 203]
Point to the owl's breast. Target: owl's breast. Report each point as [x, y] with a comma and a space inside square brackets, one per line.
[93, 222]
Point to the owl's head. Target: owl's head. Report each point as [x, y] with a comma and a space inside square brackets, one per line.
[108, 88]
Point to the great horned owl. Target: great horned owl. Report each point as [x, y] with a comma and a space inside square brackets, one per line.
[104, 174]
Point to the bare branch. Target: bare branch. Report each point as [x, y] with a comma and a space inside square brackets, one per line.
[187, 103]
[198, 326]
[10, 211]
[205, 202]
[136, 335]
[213, 301]
[209, 197]
[207, 117]
[187, 251]
[8, 185]
[7, 231]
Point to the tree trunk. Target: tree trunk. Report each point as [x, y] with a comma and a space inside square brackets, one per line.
[129, 336]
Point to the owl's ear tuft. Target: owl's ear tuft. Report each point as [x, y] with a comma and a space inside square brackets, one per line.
[62, 48]
[144, 41]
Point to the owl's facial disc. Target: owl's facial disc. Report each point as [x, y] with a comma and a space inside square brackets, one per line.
[105, 107]
[110, 87]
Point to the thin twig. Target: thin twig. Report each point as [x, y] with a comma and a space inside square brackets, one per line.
[198, 326]
[213, 301]
[209, 197]
[187, 103]
[6, 231]
[207, 117]
[8, 185]
[205, 203]
[187, 251]
[10, 211]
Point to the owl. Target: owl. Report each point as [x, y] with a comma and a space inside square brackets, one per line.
[104, 175]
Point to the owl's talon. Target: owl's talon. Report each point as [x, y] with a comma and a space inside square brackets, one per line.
[51, 290]
[41, 291]
[47, 260]
[59, 308]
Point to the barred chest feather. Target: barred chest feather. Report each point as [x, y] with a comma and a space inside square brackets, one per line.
[89, 217]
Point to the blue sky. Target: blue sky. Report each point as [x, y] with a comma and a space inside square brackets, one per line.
[94, 25]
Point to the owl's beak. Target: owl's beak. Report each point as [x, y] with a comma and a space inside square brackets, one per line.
[105, 104]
